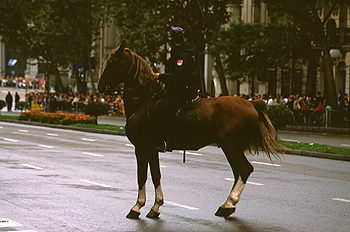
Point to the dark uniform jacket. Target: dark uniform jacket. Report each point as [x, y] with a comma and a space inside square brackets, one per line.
[181, 77]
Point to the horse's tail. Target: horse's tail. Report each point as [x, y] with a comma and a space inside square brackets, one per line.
[265, 136]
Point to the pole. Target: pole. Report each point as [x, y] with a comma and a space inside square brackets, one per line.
[184, 157]
[25, 97]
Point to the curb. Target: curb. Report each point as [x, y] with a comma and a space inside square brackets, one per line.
[121, 133]
[100, 131]
[318, 129]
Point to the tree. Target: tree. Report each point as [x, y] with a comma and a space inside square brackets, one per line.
[53, 33]
[305, 16]
[249, 49]
[146, 24]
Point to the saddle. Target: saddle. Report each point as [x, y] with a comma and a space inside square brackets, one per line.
[184, 131]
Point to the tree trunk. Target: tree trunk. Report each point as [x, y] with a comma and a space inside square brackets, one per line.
[77, 79]
[220, 71]
[91, 77]
[328, 64]
[59, 84]
[312, 74]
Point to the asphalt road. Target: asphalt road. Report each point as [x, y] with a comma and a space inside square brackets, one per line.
[62, 180]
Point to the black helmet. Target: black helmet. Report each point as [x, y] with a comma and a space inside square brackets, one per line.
[178, 34]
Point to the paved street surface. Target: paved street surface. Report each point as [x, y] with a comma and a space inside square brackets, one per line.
[62, 180]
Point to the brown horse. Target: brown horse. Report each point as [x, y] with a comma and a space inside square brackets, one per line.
[234, 124]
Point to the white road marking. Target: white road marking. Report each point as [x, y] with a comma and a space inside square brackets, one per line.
[45, 146]
[23, 130]
[51, 134]
[268, 164]
[25, 231]
[339, 199]
[345, 145]
[180, 205]
[1, 127]
[190, 153]
[92, 140]
[248, 182]
[129, 145]
[162, 166]
[31, 166]
[8, 223]
[253, 183]
[10, 140]
[95, 183]
[92, 154]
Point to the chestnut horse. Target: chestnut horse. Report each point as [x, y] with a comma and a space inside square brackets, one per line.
[236, 125]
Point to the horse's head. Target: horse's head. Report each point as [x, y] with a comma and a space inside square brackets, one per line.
[115, 69]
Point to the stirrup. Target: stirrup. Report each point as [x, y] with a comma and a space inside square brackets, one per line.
[162, 147]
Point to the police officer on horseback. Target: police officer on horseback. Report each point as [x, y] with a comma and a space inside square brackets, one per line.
[182, 83]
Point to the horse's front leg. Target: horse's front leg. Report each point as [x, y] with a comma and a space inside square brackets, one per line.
[155, 171]
[142, 165]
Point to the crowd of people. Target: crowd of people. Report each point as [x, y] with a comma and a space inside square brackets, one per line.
[72, 102]
[307, 109]
[37, 83]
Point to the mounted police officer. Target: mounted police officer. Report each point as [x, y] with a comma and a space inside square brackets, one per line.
[181, 79]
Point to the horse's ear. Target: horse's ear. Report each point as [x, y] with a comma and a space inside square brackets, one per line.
[120, 50]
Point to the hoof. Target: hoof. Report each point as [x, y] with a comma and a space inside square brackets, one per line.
[153, 214]
[133, 214]
[224, 212]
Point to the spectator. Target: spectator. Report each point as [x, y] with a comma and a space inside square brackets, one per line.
[9, 101]
[339, 96]
[318, 108]
[290, 102]
[17, 98]
[278, 101]
[301, 111]
[344, 109]
[271, 99]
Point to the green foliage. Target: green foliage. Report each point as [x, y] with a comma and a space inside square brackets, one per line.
[145, 25]
[21, 105]
[96, 109]
[305, 17]
[315, 147]
[52, 32]
[249, 49]
[2, 104]
[280, 115]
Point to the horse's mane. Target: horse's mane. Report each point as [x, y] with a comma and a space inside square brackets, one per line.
[143, 71]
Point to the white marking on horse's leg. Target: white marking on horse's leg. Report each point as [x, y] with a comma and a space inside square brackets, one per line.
[159, 199]
[236, 191]
[141, 199]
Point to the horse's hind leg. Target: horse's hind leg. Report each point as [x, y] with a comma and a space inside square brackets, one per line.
[241, 169]
[155, 172]
[142, 165]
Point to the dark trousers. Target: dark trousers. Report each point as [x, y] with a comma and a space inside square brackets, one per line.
[165, 120]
